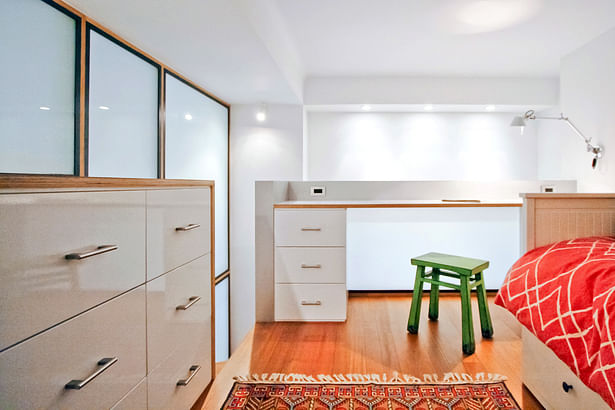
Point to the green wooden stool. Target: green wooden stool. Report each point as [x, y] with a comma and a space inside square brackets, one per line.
[470, 274]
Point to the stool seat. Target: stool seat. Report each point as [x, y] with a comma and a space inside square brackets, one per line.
[470, 274]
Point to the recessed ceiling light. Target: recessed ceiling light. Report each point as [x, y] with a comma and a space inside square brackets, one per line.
[188, 116]
[44, 108]
[103, 107]
[428, 107]
[261, 114]
[366, 107]
[490, 108]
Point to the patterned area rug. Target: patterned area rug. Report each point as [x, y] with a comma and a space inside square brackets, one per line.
[322, 393]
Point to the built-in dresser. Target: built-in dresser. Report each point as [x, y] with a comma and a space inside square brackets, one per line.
[106, 297]
[310, 265]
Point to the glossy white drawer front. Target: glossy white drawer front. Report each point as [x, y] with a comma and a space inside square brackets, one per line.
[178, 228]
[179, 340]
[310, 302]
[34, 373]
[136, 399]
[179, 311]
[310, 265]
[310, 227]
[39, 286]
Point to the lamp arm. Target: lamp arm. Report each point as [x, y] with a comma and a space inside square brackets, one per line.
[562, 118]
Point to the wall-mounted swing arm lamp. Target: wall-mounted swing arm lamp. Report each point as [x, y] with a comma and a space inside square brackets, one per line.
[595, 150]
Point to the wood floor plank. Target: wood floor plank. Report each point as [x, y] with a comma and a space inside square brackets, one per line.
[374, 340]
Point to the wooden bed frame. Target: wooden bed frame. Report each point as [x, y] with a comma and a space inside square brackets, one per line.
[548, 218]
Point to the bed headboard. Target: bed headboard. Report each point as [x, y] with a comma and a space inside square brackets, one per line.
[548, 218]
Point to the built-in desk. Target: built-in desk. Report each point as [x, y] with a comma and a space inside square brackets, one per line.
[317, 242]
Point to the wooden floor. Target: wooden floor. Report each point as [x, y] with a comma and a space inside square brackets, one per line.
[374, 340]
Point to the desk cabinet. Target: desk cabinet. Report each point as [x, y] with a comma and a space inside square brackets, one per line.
[310, 265]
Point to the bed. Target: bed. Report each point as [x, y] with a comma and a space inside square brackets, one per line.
[563, 292]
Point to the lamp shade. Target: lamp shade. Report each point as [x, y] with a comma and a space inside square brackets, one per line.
[518, 121]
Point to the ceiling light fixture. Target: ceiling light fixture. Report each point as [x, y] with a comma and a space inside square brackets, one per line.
[595, 150]
[428, 107]
[103, 107]
[490, 108]
[188, 116]
[261, 114]
[44, 108]
[366, 107]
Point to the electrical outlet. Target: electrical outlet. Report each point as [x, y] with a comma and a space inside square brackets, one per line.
[317, 191]
[547, 188]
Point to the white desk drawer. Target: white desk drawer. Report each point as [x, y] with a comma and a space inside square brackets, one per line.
[170, 328]
[310, 265]
[178, 223]
[310, 302]
[40, 287]
[34, 373]
[310, 227]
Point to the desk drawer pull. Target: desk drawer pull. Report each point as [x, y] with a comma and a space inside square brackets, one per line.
[194, 369]
[191, 301]
[311, 229]
[311, 303]
[98, 251]
[304, 266]
[79, 384]
[188, 227]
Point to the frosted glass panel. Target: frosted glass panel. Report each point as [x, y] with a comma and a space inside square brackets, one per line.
[222, 321]
[123, 112]
[37, 88]
[196, 140]
[380, 242]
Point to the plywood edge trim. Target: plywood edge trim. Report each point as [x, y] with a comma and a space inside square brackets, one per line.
[12, 181]
[435, 205]
[567, 195]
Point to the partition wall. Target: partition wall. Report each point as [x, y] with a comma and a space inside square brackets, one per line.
[76, 99]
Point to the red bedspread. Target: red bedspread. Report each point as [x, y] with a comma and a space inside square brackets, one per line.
[565, 294]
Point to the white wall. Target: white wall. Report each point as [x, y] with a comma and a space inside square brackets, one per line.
[433, 90]
[588, 99]
[418, 146]
[259, 151]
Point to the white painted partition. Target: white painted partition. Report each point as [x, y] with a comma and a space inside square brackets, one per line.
[380, 242]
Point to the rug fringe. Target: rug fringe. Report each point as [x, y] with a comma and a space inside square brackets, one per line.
[395, 378]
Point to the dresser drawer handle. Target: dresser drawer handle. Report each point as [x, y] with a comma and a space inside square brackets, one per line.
[98, 251]
[567, 387]
[194, 369]
[311, 229]
[304, 266]
[188, 227]
[311, 302]
[191, 301]
[79, 384]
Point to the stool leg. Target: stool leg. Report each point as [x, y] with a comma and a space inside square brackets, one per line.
[486, 326]
[417, 294]
[467, 333]
[434, 294]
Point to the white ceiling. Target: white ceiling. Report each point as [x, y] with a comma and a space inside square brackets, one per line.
[442, 37]
[250, 51]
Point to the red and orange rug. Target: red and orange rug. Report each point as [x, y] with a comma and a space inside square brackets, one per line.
[370, 392]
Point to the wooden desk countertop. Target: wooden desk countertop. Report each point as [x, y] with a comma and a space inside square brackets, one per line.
[434, 203]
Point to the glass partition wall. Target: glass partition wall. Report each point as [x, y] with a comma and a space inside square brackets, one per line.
[75, 99]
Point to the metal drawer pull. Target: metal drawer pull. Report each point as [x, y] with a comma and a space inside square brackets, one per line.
[311, 229]
[98, 251]
[311, 302]
[304, 266]
[194, 369]
[191, 301]
[188, 227]
[79, 384]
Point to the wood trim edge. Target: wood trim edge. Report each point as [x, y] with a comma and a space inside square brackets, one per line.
[29, 181]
